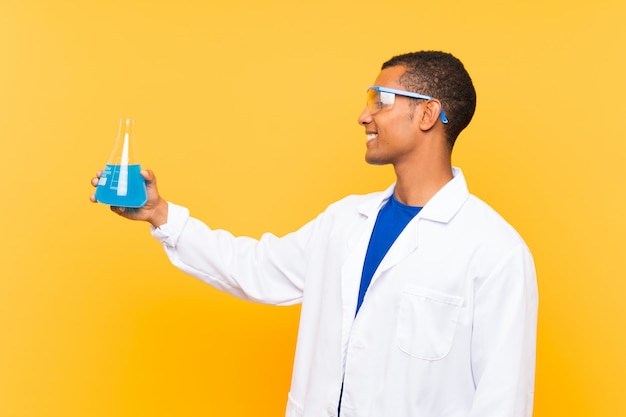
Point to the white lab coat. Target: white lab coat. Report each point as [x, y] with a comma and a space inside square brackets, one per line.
[447, 327]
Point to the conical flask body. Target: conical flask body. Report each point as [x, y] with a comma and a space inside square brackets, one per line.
[121, 183]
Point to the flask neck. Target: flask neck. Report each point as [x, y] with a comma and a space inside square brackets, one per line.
[124, 150]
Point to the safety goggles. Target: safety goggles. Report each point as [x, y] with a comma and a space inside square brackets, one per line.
[379, 98]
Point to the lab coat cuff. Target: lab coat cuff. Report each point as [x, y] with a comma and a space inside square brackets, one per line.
[169, 232]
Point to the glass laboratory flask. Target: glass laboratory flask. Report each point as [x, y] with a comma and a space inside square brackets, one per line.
[121, 184]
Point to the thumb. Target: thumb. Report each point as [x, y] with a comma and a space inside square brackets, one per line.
[149, 176]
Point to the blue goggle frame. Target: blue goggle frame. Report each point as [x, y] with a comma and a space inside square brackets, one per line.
[386, 98]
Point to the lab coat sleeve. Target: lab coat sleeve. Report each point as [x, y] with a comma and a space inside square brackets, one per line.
[504, 338]
[268, 270]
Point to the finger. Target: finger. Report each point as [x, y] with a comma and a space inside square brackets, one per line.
[118, 210]
[96, 179]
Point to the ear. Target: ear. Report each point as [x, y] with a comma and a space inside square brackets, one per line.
[429, 114]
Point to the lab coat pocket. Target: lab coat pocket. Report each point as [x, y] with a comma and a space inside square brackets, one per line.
[427, 322]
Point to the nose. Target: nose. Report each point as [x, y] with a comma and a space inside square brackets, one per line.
[365, 117]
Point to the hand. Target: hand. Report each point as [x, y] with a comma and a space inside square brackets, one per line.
[153, 212]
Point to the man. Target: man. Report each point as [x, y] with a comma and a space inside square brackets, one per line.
[418, 301]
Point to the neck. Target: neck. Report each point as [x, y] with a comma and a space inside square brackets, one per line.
[418, 183]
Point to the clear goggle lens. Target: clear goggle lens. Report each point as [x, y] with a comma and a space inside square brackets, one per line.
[378, 100]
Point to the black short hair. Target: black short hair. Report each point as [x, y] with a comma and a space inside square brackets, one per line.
[443, 76]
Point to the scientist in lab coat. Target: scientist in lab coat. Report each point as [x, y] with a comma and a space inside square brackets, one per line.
[417, 301]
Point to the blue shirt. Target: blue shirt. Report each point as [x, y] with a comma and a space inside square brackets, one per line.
[391, 221]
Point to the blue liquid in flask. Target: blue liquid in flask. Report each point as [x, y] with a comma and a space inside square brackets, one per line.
[122, 186]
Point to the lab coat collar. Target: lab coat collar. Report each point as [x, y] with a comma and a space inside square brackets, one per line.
[440, 208]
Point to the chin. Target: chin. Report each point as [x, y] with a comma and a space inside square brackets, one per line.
[375, 161]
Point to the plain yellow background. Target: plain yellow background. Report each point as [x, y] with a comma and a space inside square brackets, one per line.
[247, 112]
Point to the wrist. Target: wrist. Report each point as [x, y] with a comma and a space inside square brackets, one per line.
[159, 214]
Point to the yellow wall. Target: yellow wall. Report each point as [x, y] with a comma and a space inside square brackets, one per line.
[247, 112]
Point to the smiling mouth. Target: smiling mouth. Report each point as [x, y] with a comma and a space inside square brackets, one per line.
[371, 136]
